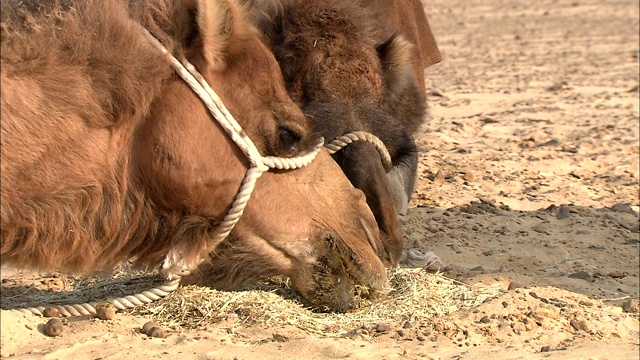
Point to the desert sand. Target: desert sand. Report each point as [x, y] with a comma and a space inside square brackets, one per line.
[528, 185]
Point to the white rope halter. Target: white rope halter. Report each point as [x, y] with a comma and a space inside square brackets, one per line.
[258, 165]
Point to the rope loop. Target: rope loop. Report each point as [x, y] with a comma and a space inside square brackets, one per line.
[341, 141]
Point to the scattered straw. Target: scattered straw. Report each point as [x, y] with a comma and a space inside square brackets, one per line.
[417, 295]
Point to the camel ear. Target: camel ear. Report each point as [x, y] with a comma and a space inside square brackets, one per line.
[224, 29]
[396, 60]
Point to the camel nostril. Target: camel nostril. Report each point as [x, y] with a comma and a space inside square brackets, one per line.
[331, 240]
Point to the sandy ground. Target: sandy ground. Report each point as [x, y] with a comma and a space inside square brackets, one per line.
[528, 177]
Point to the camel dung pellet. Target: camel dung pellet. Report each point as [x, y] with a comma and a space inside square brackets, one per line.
[51, 312]
[146, 328]
[156, 332]
[105, 311]
[53, 327]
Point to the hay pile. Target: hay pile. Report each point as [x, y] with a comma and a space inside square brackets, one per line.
[416, 295]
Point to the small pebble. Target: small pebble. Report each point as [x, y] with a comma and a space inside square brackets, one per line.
[53, 327]
[623, 208]
[469, 176]
[581, 275]
[616, 274]
[514, 285]
[407, 325]
[631, 306]
[563, 213]
[547, 311]
[584, 326]
[545, 348]
[146, 328]
[382, 328]
[280, 337]
[157, 332]
[105, 310]
[485, 320]
[574, 324]
[505, 304]
[439, 177]
[51, 312]
[541, 229]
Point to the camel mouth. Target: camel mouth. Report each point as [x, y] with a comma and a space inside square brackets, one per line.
[368, 281]
[340, 276]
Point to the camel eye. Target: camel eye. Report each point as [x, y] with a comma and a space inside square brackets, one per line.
[289, 140]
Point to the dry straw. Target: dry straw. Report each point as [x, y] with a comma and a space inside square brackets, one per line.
[416, 295]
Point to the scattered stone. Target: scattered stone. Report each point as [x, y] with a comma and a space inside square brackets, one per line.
[552, 142]
[478, 268]
[469, 176]
[547, 311]
[574, 324]
[581, 275]
[616, 274]
[584, 326]
[433, 228]
[152, 330]
[146, 328]
[439, 178]
[579, 325]
[505, 304]
[559, 86]
[407, 325]
[563, 213]
[485, 320]
[280, 337]
[571, 150]
[541, 230]
[400, 332]
[518, 327]
[105, 310]
[488, 120]
[383, 328]
[53, 327]
[420, 338]
[157, 332]
[51, 312]
[514, 285]
[631, 306]
[623, 208]
[546, 348]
